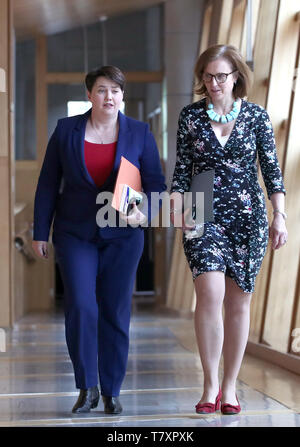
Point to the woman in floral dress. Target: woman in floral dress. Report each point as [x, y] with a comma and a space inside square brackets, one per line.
[227, 133]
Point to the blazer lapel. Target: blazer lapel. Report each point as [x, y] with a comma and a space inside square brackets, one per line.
[124, 142]
[78, 146]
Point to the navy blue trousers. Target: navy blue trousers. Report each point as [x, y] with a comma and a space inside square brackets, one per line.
[98, 280]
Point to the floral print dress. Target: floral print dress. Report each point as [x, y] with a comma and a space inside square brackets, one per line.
[236, 242]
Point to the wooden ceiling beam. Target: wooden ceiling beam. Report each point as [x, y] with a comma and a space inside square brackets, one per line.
[78, 77]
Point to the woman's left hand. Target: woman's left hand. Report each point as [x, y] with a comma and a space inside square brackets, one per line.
[135, 217]
[278, 232]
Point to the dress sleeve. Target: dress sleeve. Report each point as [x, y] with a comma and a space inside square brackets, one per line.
[184, 157]
[267, 155]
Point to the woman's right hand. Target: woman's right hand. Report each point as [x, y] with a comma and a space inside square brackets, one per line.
[40, 248]
[183, 221]
[178, 218]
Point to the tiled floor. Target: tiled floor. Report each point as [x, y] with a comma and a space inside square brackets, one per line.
[162, 385]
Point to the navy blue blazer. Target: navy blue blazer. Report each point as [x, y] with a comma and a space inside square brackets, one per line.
[65, 189]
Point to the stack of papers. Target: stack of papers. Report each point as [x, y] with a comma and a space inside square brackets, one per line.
[128, 186]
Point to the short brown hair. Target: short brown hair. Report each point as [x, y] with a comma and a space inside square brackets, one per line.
[107, 71]
[234, 57]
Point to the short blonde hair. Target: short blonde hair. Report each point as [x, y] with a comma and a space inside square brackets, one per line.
[234, 57]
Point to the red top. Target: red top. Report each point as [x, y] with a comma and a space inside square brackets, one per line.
[99, 160]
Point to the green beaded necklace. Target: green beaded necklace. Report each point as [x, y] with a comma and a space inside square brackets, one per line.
[232, 115]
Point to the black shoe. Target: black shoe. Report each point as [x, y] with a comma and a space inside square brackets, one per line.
[87, 399]
[112, 405]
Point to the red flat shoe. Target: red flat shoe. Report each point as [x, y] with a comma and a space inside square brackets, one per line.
[208, 407]
[231, 409]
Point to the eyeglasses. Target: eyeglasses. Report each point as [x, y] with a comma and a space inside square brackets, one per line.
[219, 77]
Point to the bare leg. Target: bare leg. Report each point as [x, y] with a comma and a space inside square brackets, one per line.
[210, 289]
[236, 332]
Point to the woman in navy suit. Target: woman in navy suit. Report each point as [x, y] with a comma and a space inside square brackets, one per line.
[98, 264]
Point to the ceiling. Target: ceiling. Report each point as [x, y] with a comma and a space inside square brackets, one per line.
[34, 17]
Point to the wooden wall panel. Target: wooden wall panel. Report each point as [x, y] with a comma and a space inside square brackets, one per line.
[283, 276]
[262, 65]
[263, 49]
[36, 279]
[259, 300]
[226, 12]
[41, 103]
[43, 288]
[4, 58]
[5, 239]
[206, 25]
[27, 172]
[177, 249]
[11, 156]
[6, 167]
[21, 266]
[237, 23]
[295, 328]
[292, 170]
[245, 33]
[181, 294]
[282, 70]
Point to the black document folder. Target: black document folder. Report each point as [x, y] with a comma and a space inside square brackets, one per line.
[202, 205]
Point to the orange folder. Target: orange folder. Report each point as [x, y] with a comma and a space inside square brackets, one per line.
[129, 175]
